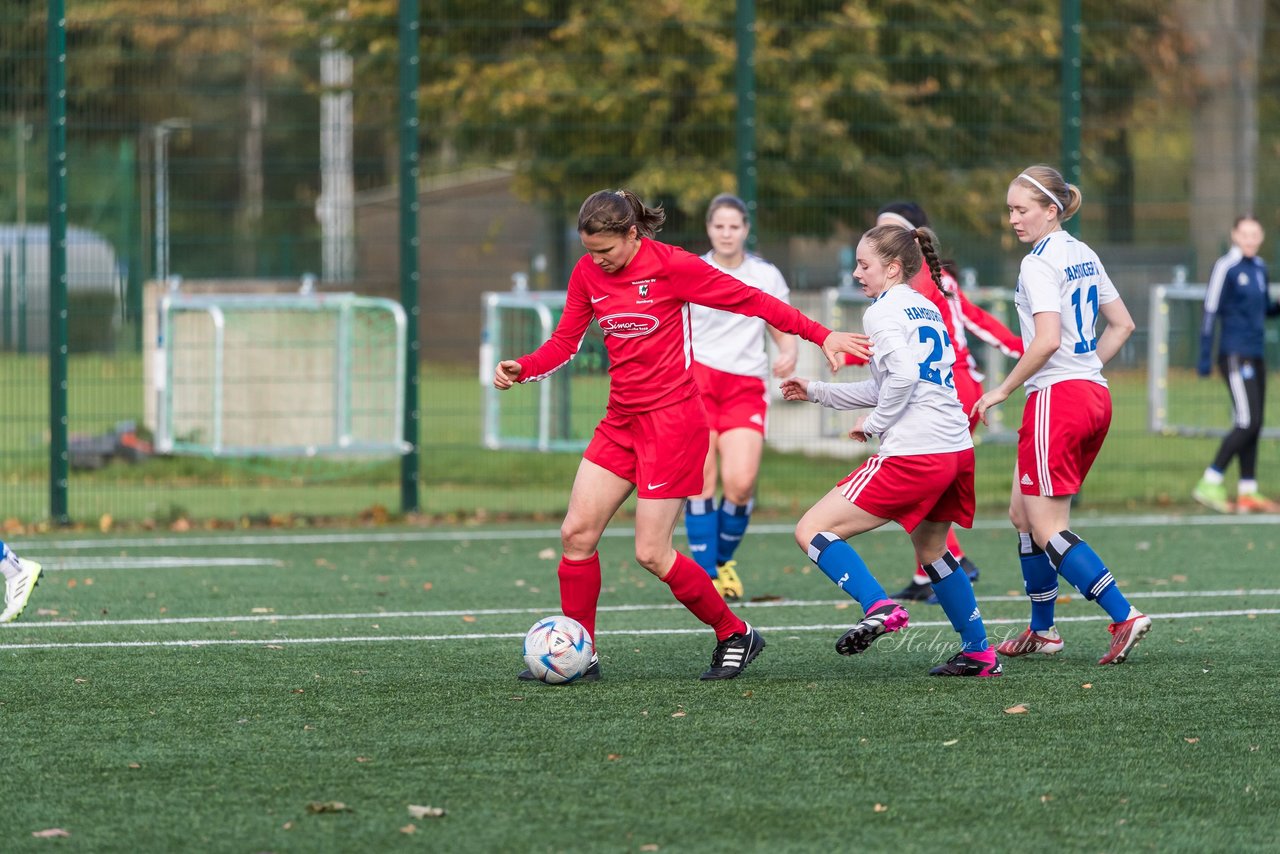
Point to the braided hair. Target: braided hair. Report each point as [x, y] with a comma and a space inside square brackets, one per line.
[913, 248]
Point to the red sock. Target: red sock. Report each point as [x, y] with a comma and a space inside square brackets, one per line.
[692, 586]
[954, 544]
[580, 590]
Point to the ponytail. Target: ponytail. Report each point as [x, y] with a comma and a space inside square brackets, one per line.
[616, 211]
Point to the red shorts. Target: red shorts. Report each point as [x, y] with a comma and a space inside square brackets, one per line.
[732, 400]
[1062, 431]
[911, 489]
[661, 451]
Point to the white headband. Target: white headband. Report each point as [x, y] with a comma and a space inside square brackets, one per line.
[898, 219]
[1043, 189]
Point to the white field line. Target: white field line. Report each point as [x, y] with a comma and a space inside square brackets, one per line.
[31, 548]
[538, 611]
[195, 644]
[100, 563]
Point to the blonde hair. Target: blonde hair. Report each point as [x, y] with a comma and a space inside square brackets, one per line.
[1048, 185]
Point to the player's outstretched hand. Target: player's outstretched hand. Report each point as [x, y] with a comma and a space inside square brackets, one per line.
[796, 388]
[988, 400]
[853, 343]
[505, 375]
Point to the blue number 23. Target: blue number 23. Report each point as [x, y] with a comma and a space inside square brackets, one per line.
[928, 373]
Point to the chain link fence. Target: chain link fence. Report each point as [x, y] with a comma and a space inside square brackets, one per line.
[253, 148]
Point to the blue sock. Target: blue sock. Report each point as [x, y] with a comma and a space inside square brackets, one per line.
[1040, 580]
[734, 519]
[1080, 565]
[701, 523]
[955, 594]
[843, 565]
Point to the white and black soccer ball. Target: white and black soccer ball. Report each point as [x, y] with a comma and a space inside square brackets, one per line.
[557, 650]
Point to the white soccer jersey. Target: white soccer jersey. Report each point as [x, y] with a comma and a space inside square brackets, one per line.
[734, 343]
[1063, 275]
[916, 410]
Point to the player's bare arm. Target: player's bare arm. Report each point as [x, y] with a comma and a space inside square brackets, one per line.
[1048, 336]
[788, 350]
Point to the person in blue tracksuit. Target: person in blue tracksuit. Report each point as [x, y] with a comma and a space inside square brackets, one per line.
[1238, 302]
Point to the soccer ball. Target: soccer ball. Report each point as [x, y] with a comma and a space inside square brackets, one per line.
[557, 650]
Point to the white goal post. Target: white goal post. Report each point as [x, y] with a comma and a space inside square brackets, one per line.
[279, 375]
[1178, 402]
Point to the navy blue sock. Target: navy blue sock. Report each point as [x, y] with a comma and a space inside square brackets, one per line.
[955, 594]
[1080, 565]
[701, 523]
[734, 519]
[846, 568]
[1040, 580]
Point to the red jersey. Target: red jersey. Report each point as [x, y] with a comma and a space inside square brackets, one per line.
[643, 310]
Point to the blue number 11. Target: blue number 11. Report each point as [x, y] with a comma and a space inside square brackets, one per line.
[1087, 343]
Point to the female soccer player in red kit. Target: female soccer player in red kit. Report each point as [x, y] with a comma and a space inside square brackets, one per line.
[653, 439]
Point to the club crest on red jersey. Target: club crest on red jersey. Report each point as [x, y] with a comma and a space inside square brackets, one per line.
[628, 325]
[644, 291]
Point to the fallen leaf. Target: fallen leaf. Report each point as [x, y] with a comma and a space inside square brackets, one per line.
[288, 825]
[416, 811]
[262, 610]
[1191, 740]
[409, 829]
[46, 612]
[50, 833]
[316, 807]
[1179, 578]
[134, 765]
[468, 619]
[299, 691]
[614, 757]
[649, 847]
[1087, 685]
[547, 554]
[679, 714]
[274, 646]
[362, 759]
[840, 606]
[880, 808]
[746, 693]
[80, 680]
[950, 742]
[427, 585]
[104, 522]
[1044, 799]
[1016, 710]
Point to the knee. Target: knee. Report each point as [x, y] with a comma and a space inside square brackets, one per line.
[1017, 517]
[655, 560]
[738, 490]
[576, 540]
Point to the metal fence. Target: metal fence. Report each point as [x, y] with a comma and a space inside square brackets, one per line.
[244, 147]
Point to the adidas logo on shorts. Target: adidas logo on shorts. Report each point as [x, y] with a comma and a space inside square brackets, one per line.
[1026, 480]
